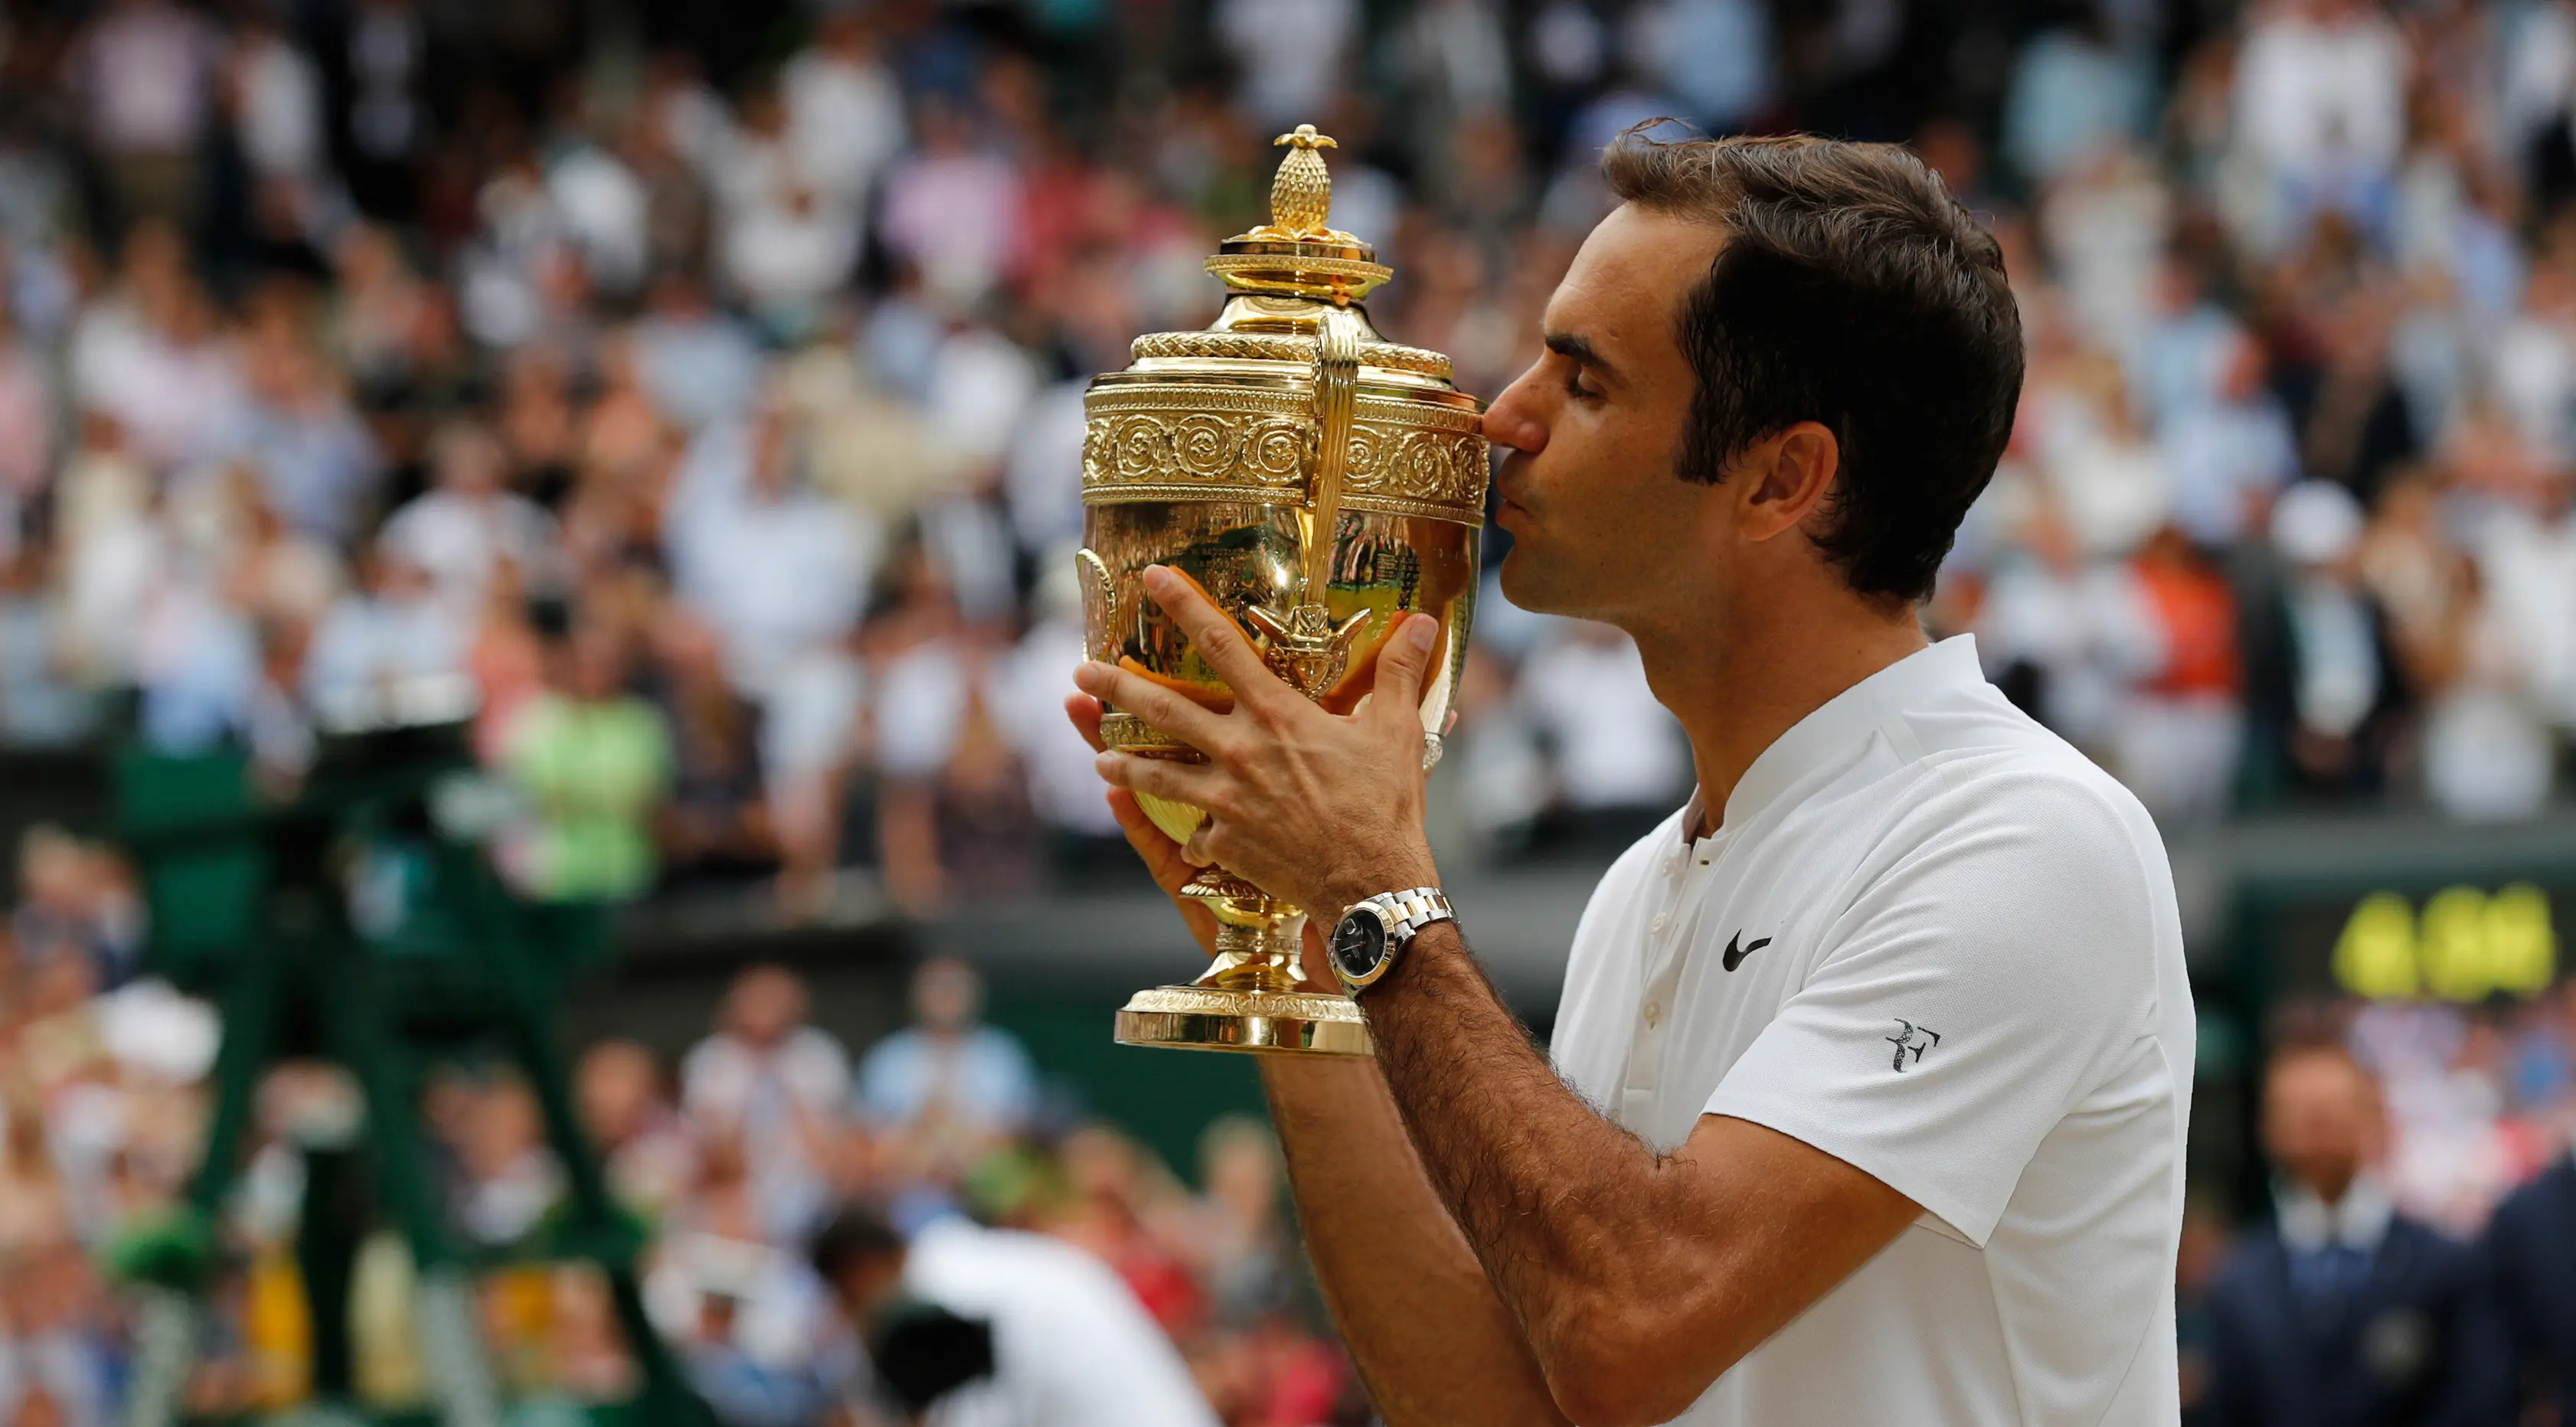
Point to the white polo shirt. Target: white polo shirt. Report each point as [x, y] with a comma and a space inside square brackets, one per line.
[1955, 965]
[1071, 1345]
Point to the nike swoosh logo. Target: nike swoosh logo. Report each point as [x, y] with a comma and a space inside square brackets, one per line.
[1735, 954]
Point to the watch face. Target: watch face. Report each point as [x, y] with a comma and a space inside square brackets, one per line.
[1358, 944]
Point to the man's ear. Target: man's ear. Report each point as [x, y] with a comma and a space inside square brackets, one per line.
[1785, 477]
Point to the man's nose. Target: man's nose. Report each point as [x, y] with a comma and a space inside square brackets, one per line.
[1511, 422]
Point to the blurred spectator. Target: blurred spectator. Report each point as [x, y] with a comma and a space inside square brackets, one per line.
[2325, 688]
[1240, 1229]
[2321, 106]
[947, 1078]
[844, 112]
[1019, 1331]
[698, 363]
[2347, 1311]
[26, 424]
[593, 762]
[391, 632]
[1289, 55]
[146, 70]
[766, 1088]
[779, 573]
[1616, 759]
[2529, 1250]
[2232, 448]
[2177, 741]
[651, 1156]
[2073, 94]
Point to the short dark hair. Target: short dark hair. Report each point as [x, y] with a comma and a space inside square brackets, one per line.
[1853, 291]
[855, 1235]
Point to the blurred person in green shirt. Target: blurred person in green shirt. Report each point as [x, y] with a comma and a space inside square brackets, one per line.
[593, 762]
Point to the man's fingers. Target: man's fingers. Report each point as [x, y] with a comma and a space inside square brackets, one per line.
[1163, 860]
[1405, 667]
[1218, 639]
[1162, 856]
[1169, 713]
[1084, 710]
[1166, 778]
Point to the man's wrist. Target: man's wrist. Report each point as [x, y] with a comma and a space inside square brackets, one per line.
[1345, 892]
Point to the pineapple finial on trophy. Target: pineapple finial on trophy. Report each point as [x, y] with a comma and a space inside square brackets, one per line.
[1298, 253]
[1301, 195]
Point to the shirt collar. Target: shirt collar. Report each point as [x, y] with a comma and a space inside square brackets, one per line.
[2357, 1221]
[1845, 720]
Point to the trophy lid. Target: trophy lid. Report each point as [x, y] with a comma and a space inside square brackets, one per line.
[1290, 396]
[1298, 253]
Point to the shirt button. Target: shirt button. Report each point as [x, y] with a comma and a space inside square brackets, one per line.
[1654, 1014]
[1659, 924]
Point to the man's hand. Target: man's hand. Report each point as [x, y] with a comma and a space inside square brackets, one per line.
[1315, 808]
[1162, 856]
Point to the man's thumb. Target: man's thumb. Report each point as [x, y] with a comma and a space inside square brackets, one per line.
[1405, 666]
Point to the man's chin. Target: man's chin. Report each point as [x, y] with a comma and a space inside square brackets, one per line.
[1523, 580]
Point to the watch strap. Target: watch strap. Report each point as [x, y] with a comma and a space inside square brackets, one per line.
[1409, 911]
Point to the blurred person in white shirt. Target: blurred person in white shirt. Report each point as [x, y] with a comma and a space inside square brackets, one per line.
[394, 630]
[952, 803]
[2322, 680]
[781, 574]
[844, 113]
[1617, 754]
[2531, 364]
[2072, 94]
[775, 568]
[976, 1327]
[697, 362]
[1042, 475]
[952, 209]
[155, 356]
[1289, 52]
[2228, 454]
[316, 459]
[2321, 95]
[1062, 784]
[461, 530]
[146, 70]
[603, 207]
[770, 1078]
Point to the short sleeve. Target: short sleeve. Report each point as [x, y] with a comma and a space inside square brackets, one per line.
[2001, 949]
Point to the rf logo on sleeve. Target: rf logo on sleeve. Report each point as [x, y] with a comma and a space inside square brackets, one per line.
[1911, 1037]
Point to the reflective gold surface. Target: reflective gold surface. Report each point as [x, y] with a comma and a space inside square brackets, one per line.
[1318, 482]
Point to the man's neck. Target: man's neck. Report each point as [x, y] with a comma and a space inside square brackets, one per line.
[1738, 684]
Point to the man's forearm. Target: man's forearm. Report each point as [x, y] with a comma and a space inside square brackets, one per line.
[1559, 1205]
[1433, 1342]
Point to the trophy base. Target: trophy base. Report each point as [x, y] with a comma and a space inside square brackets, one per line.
[1262, 1022]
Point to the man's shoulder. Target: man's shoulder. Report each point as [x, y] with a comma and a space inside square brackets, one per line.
[1986, 763]
[2546, 1205]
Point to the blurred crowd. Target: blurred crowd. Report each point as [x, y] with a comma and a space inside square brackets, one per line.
[693, 391]
[736, 1157]
[703, 404]
[2421, 1195]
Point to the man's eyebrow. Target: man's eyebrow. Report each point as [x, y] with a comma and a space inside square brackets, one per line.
[1581, 352]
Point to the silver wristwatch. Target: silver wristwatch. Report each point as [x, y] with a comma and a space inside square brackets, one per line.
[1364, 943]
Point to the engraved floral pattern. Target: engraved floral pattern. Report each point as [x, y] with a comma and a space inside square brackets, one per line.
[1205, 445]
[1195, 444]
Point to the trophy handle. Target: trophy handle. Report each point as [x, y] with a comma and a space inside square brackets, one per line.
[1337, 375]
[1100, 604]
[1302, 644]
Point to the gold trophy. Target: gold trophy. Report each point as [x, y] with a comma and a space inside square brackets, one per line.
[1318, 482]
